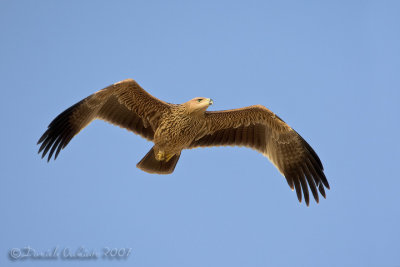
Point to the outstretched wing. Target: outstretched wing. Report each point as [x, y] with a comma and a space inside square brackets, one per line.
[125, 104]
[259, 128]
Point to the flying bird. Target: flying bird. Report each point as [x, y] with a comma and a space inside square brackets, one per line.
[173, 127]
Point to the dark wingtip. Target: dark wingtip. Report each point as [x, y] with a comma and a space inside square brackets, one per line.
[322, 190]
[58, 134]
[316, 200]
[307, 173]
[326, 184]
[298, 190]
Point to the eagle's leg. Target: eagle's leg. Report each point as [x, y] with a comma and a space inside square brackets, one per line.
[168, 157]
[162, 156]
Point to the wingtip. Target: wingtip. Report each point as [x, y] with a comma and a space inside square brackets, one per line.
[328, 186]
[41, 139]
[322, 190]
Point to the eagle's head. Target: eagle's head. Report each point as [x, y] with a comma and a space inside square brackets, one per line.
[198, 104]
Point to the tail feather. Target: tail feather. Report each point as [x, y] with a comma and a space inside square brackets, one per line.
[151, 165]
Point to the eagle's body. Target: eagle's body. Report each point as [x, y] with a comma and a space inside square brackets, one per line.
[174, 128]
[177, 130]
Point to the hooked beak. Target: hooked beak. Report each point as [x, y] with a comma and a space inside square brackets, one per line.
[210, 101]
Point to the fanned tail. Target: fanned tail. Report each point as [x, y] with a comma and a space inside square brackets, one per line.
[151, 165]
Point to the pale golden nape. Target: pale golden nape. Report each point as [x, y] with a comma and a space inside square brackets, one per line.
[173, 128]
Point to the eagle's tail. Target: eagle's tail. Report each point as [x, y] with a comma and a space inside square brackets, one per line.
[151, 165]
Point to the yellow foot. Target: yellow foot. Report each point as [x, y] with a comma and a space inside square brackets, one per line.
[168, 157]
[161, 156]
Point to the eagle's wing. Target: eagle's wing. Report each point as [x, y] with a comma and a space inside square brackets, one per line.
[259, 128]
[125, 104]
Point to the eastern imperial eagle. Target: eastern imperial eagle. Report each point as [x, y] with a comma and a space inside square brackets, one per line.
[173, 128]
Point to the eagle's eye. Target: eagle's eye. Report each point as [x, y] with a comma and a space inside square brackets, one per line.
[199, 100]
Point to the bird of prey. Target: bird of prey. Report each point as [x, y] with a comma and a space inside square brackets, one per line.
[174, 127]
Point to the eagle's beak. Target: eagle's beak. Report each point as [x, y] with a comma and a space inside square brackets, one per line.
[210, 101]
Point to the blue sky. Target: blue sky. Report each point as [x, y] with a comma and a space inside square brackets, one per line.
[329, 69]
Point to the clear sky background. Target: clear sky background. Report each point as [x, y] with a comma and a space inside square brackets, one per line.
[329, 68]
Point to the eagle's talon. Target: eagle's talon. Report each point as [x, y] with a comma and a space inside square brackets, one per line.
[160, 156]
[168, 157]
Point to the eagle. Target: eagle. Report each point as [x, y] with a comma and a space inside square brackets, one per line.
[175, 127]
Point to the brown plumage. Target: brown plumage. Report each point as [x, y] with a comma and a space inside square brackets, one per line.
[173, 128]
